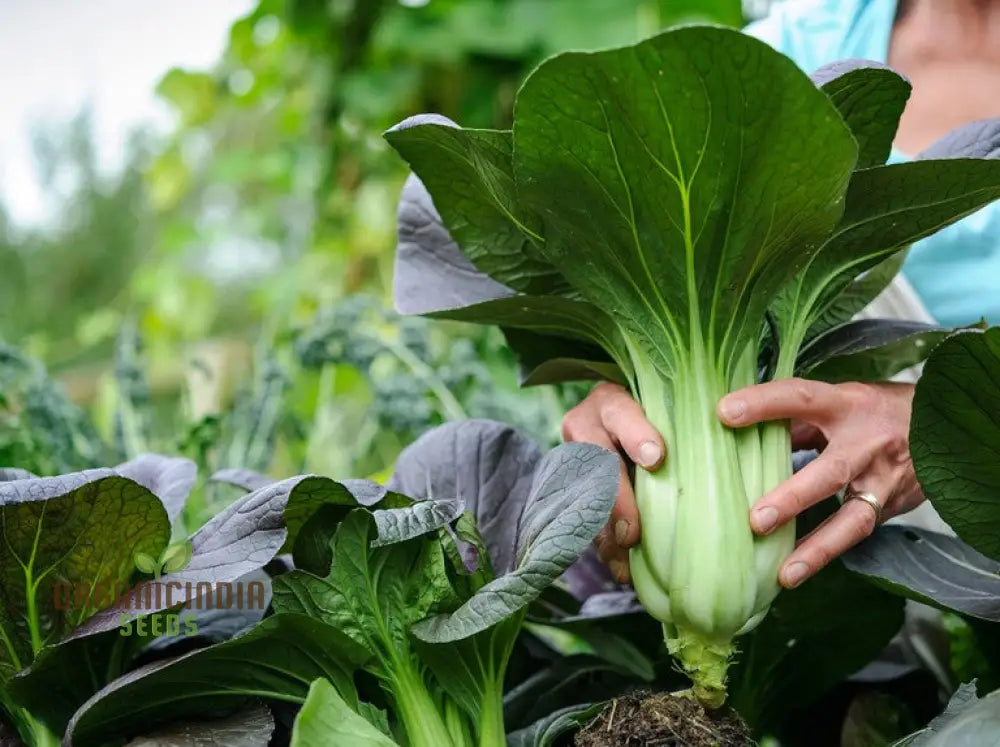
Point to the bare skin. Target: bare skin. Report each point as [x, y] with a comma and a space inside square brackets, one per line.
[950, 52]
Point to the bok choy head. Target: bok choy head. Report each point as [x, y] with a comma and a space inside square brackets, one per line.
[673, 214]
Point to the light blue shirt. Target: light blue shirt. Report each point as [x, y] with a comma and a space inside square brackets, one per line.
[956, 272]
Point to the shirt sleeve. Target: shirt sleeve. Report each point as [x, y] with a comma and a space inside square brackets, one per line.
[810, 32]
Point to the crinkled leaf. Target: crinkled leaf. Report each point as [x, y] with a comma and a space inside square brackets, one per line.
[980, 139]
[868, 350]
[967, 721]
[487, 465]
[931, 568]
[326, 719]
[169, 478]
[250, 727]
[870, 97]
[546, 731]
[955, 436]
[81, 531]
[237, 541]
[373, 594]
[788, 660]
[419, 518]
[278, 659]
[570, 500]
[15, 473]
[247, 479]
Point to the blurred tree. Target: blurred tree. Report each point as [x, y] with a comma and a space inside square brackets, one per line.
[64, 287]
[238, 240]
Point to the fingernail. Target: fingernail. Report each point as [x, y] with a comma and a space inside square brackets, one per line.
[765, 518]
[796, 574]
[649, 453]
[621, 532]
[732, 409]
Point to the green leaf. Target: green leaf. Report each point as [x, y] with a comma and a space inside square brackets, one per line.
[871, 98]
[470, 175]
[45, 691]
[72, 538]
[169, 478]
[857, 295]
[545, 315]
[888, 208]
[868, 350]
[955, 436]
[876, 719]
[421, 517]
[176, 557]
[788, 660]
[629, 187]
[547, 730]
[325, 719]
[146, 563]
[571, 496]
[471, 671]
[278, 659]
[373, 594]
[545, 359]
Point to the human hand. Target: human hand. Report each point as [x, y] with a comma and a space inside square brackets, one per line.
[611, 418]
[862, 432]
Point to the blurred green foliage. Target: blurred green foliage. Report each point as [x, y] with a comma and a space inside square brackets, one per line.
[227, 293]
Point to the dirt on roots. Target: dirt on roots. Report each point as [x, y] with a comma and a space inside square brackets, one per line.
[661, 720]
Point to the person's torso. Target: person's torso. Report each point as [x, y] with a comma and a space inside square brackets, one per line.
[956, 272]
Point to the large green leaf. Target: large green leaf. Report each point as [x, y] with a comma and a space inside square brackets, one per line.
[325, 719]
[955, 436]
[648, 165]
[72, 538]
[279, 659]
